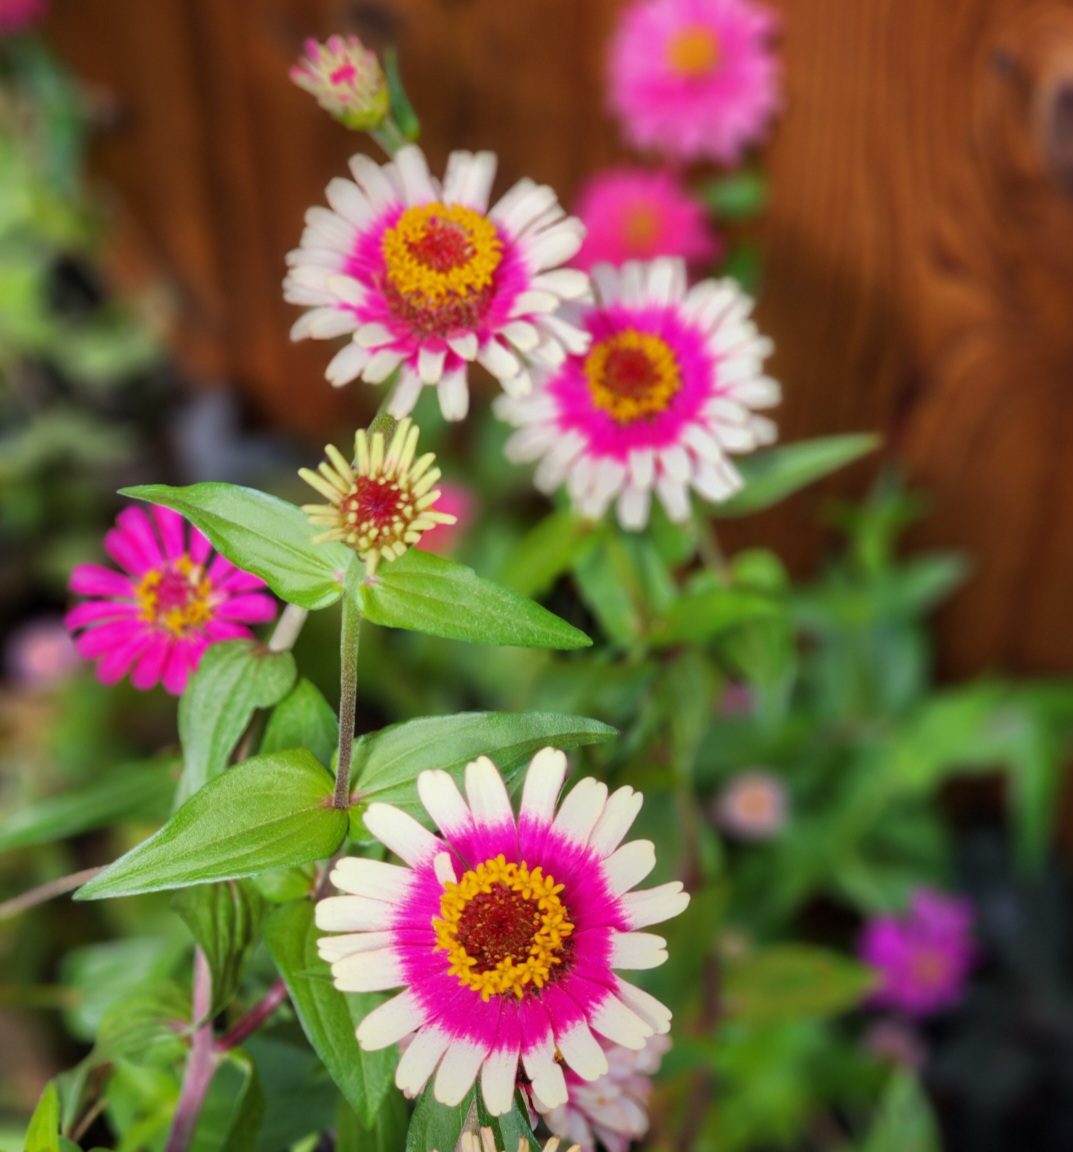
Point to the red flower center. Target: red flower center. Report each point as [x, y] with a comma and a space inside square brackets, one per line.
[497, 924]
[374, 503]
[632, 375]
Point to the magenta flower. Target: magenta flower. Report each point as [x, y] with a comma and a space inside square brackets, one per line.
[506, 934]
[637, 214]
[459, 502]
[694, 79]
[171, 600]
[923, 957]
[18, 15]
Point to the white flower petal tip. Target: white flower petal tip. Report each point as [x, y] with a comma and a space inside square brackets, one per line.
[373, 264]
[660, 384]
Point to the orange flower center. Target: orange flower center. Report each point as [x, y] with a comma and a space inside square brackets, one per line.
[441, 262]
[693, 52]
[176, 598]
[632, 376]
[642, 228]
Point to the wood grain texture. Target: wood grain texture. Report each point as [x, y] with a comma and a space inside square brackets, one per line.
[918, 250]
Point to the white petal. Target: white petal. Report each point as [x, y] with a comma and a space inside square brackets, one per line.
[469, 179]
[520, 384]
[348, 201]
[419, 1060]
[717, 481]
[458, 1069]
[389, 1023]
[412, 167]
[646, 1006]
[627, 866]
[523, 336]
[566, 283]
[453, 396]
[642, 467]
[615, 1021]
[521, 205]
[373, 336]
[327, 323]
[347, 289]
[375, 182]
[430, 364]
[615, 821]
[666, 281]
[443, 801]
[406, 394]
[498, 360]
[346, 364]
[400, 832]
[543, 783]
[654, 905]
[633, 505]
[464, 346]
[553, 469]
[674, 496]
[554, 246]
[637, 950]
[581, 809]
[498, 1076]
[332, 948]
[582, 1051]
[353, 914]
[546, 1074]
[487, 794]
[381, 364]
[372, 878]
[631, 283]
[370, 971]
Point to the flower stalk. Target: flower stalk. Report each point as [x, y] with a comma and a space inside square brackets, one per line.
[348, 685]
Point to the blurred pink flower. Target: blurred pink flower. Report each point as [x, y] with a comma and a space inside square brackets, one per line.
[458, 502]
[637, 214]
[895, 1042]
[923, 957]
[171, 601]
[17, 15]
[752, 805]
[40, 653]
[694, 79]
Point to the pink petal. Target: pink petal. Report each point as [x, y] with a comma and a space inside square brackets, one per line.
[182, 660]
[95, 580]
[125, 552]
[94, 610]
[253, 609]
[115, 664]
[220, 569]
[139, 529]
[172, 529]
[217, 630]
[109, 637]
[150, 665]
[199, 546]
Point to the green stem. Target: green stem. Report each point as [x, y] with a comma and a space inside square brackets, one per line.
[389, 137]
[348, 684]
[710, 551]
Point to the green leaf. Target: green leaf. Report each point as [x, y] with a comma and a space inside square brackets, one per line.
[43, 1134]
[232, 681]
[146, 1026]
[136, 791]
[303, 719]
[737, 196]
[545, 552]
[234, 1105]
[788, 981]
[611, 588]
[329, 1017]
[223, 919]
[512, 1131]
[387, 1133]
[436, 1126]
[269, 812]
[260, 534]
[711, 609]
[426, 593]
[772, 475]
[386, 763]
[905, 1122]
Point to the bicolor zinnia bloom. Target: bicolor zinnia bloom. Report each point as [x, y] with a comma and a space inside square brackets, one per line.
[380, 503]
[17, 15]
[469, 1141]
[505, 934]
[426, 279]
[922, 958]
[639, 214]
[170, 600]
[666, 390]
[346, 80]
[752, 805]
[613, 1110]
[694, 79]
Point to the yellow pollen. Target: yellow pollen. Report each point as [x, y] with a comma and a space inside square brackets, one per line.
[437, 254]
[503, 927]
[693, 52]
[632, 375]
[176, 597]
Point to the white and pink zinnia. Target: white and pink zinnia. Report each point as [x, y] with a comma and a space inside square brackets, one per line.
[426, 279]
[665, 393]
[505, 934]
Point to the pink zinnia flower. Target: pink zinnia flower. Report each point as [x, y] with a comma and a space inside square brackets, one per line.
[505, 934]
[346, 80]
[694, 79]
[666, 390]
[40, 653]
[426, 278]
[752, 805]
[16, 15]
[923, 957]
[171, 600]
[638, 214]
[456, 501]
[614, 1109]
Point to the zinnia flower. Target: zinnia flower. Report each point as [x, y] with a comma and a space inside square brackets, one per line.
[614, 1109]
[382, 503]
[694, 79]
[428, 279]
[17, 15]
[40, 653]
[346, 79]
[458, 502]
[665, 391]
[171, 600]
[752, 805]
[923, 958]
[638, 214]
[505, 934]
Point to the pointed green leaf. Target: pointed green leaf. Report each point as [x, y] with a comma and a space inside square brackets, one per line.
[43, 1134]
[232, 681]
[329, 1017]
[435, 1126]
[269, 812]
[303, 719]
[709, 610]
[261, 534]
[545, 552]
[774, 474]
[387, 1133]
[386, 763]
[426, 593]
[146, 1026]
[905, 1122]
[513, 1131]
[788, 981]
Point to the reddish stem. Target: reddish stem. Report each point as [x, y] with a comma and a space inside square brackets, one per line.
[253, 1019]
[201, 1063]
